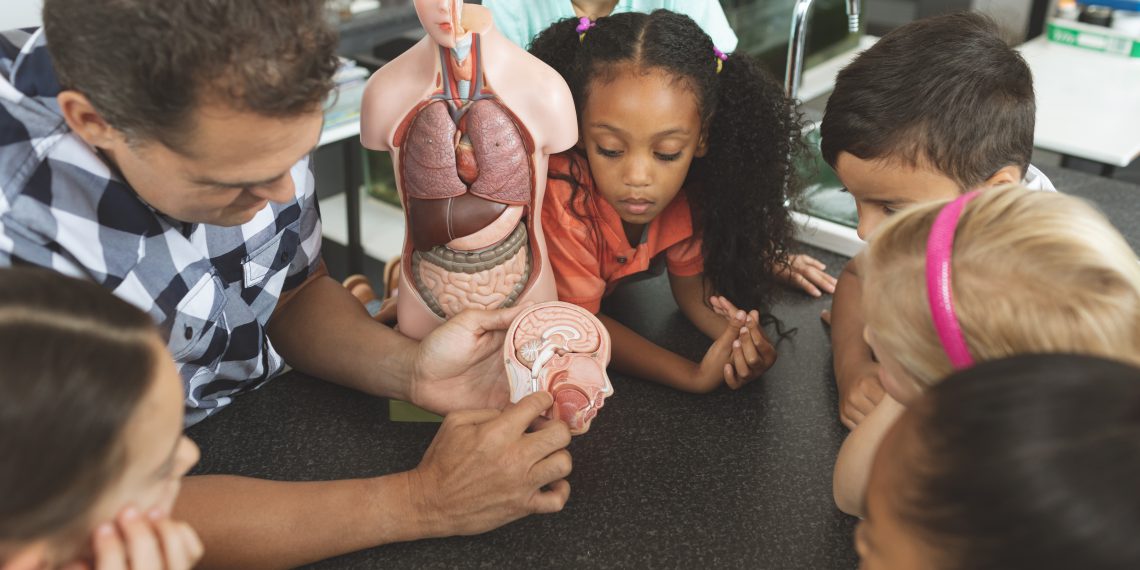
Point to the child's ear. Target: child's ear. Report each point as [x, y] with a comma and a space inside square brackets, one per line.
[702, 145]
[1008, 175]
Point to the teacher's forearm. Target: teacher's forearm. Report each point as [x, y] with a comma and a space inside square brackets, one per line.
[253, 523]
[322, 330]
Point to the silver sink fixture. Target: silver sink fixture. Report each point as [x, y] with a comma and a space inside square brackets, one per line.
[797, 40]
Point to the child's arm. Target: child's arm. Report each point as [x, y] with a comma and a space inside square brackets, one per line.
[637, 356]
[690, 294]
[856, 372]
[853, 466]
[752, 352]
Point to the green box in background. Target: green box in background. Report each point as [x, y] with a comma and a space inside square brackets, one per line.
[1094, 38]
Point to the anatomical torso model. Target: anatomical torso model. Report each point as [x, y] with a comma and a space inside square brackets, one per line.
[562, 349]
[470, 120]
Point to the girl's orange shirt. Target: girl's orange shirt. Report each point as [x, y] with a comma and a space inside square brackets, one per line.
[590, 255]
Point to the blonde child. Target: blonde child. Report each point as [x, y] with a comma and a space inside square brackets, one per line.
[90, 431]
[991, 274]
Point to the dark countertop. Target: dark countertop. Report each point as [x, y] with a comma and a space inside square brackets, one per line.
[663, 478]
[1118, 200]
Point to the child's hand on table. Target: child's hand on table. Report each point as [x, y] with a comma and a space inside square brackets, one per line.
[861, 397]
[807, 273]
[744, 351]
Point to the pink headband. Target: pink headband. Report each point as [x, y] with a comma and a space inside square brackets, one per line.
[939, 247]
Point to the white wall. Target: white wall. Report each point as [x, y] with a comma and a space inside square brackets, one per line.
[20, 14]
[1012, 16]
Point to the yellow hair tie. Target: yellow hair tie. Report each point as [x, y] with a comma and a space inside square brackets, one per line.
[720, 58]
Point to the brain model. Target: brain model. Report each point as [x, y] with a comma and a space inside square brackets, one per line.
[562, 349]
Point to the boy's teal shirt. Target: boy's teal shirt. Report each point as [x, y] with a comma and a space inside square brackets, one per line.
[521, 20]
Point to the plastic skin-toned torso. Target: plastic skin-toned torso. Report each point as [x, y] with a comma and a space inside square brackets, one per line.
[471, 120]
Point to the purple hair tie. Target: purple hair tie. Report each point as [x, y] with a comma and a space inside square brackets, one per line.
[721, 57]
[584, 24]
[939, 248]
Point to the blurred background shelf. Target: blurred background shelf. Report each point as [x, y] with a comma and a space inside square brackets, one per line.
[381, 224]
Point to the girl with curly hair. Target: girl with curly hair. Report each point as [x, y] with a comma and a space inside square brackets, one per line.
[684, 162]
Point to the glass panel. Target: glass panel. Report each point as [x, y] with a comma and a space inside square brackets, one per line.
[823, 195]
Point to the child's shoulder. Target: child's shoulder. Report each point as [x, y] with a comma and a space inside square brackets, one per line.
[568, 178]
[570, 162]
[565, 172]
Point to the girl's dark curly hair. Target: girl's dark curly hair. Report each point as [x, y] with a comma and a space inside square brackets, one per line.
[739, 188]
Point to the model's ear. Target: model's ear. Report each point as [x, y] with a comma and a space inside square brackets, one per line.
[86, 121]
[1008, 175]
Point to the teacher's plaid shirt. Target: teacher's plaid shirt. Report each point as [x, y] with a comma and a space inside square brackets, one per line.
[210, 289]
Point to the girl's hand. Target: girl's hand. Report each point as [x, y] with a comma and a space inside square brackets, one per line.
[740, 355]
[715, 367]
[138, 542]
[807, 273]
[723, 307]
[752, 354]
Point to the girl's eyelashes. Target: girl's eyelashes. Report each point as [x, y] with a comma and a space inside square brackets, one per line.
[607, 152]
[617, 154]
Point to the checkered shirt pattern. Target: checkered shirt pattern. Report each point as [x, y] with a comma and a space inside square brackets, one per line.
[210, 289]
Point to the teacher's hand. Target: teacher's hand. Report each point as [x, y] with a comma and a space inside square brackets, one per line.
[484, 469]
[460, 364]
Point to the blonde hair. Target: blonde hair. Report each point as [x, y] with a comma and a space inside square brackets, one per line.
[1032, 272]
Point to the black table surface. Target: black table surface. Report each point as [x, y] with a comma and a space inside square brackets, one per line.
[663, 478]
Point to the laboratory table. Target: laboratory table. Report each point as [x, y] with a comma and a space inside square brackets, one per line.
[665, 479]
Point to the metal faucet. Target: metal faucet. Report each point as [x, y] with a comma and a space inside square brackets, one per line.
[798, 39]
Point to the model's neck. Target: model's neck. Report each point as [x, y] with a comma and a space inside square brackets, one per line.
[593, 9]
[461, 52]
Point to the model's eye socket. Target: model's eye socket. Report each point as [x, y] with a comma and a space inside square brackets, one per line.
[667, 157]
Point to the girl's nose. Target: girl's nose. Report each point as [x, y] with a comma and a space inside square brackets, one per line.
[637, 172]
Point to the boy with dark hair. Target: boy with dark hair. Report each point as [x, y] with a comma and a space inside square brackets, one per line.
[935, 108]
[161, 149]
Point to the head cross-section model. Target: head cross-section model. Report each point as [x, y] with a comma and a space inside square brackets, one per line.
[562, 349]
